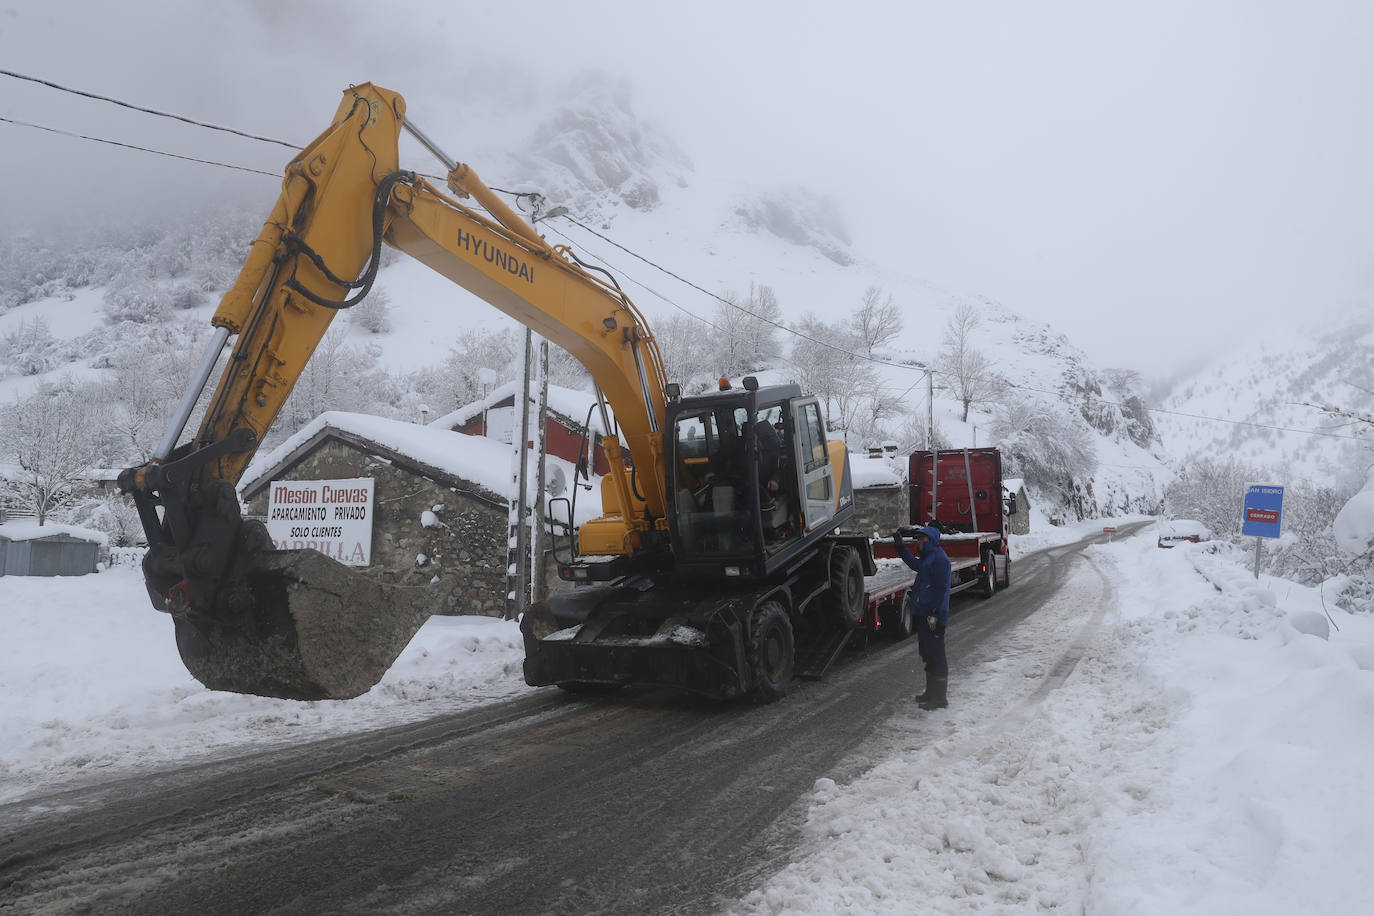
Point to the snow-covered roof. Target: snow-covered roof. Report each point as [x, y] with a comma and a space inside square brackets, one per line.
[32, 531]
[475, 459]
[568, 403]
[873, 472]
[1013, 484]
[484, 462]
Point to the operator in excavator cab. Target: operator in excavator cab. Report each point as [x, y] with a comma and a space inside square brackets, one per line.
[730, 463]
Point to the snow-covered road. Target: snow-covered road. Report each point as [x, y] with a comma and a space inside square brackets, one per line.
[1167, 736]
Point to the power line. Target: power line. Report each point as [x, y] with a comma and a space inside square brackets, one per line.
[141, 149]
[799, 334]
[151, 111]
[922, 369]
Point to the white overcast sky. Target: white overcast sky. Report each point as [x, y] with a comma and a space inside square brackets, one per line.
[1151, 177]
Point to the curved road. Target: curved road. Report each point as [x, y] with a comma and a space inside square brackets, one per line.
[638, 802]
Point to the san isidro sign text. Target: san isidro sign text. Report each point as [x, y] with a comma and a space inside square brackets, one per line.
[331, 516]
[1262, 515]
[1263, 511]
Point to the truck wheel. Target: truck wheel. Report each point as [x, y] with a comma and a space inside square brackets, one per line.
[904, 626]
[846, 600]
[1006, 574]
[989, 577]
[772, 652]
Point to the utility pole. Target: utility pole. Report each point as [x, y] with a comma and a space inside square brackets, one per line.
[518, 596]
[930, 410]
[540, 578]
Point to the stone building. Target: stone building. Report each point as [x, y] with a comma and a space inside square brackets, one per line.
[881, 502]
[1014, 488]
[440, 503]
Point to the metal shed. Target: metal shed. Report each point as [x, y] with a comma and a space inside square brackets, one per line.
[29, 551]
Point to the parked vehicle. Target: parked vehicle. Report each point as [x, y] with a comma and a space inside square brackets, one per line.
[1182, 531]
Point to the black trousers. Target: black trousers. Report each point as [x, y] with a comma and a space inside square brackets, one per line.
[932, 647]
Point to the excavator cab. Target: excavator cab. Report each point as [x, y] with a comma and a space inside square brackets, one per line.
[732, 476]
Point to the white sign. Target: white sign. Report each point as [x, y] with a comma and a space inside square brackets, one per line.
[331, 516]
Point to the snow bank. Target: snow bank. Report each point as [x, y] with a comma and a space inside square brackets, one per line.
[92, 685]
[1354, 524]
[1205, 755]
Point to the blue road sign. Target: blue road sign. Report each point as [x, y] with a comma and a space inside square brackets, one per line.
[1263, 512]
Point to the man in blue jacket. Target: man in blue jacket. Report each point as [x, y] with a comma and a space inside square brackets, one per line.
[930, 606]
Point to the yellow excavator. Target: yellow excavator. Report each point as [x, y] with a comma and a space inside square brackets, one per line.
[717, 557]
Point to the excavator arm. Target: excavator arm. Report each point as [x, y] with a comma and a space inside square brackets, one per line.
[296, 624]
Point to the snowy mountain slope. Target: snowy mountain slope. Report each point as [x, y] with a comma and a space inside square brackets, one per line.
[1273, 387]
[623, 178]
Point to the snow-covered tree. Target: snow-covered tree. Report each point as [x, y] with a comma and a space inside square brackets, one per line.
[965, 370]
[1045, 443]
[1212, 491]
[746, 332]
[877, 320]
[688, 357]
[373, 314]
[53, 437]
[824, 363]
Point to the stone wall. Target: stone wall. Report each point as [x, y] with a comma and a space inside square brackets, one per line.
[467, 546]
[879, 509]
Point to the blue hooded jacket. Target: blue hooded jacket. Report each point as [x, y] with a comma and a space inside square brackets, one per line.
[930, 591]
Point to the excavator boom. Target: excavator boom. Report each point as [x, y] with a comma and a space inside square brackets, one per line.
[252, 619]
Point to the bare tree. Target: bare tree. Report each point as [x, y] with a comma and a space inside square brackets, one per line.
[685, 344]
[54, 438]
[747, 332]
[824, 364]
[877, 320]
[966, 369]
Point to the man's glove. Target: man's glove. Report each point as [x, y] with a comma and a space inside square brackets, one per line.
[896, 537]
[932, 622]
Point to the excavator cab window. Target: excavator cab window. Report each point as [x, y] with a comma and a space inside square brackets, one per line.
[715, 478]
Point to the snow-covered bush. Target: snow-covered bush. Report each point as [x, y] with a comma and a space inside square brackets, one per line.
[114, 515]
[29, 348]
[136, 299]
[1212, 492]
[373, 313]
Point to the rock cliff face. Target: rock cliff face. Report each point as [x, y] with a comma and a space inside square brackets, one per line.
[593, 152]
[801, 217]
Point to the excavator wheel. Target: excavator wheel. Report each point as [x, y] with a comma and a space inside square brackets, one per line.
[846, 599]
[771, 652]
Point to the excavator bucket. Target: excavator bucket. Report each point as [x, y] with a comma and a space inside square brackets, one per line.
[297, 625]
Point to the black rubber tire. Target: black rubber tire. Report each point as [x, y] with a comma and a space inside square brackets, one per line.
[903, 625]
[1006, 575]
[846, 599]
[772, 654]
[989, 577]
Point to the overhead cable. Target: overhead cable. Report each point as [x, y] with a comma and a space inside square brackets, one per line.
[141, 149]
[151, 111]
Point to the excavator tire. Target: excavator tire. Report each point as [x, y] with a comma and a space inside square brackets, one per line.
[846, 600]
[297, 625]
[771, 653]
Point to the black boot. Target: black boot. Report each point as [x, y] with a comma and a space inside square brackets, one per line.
[935, 696]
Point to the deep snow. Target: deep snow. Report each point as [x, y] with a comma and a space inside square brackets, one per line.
[1206, 754]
